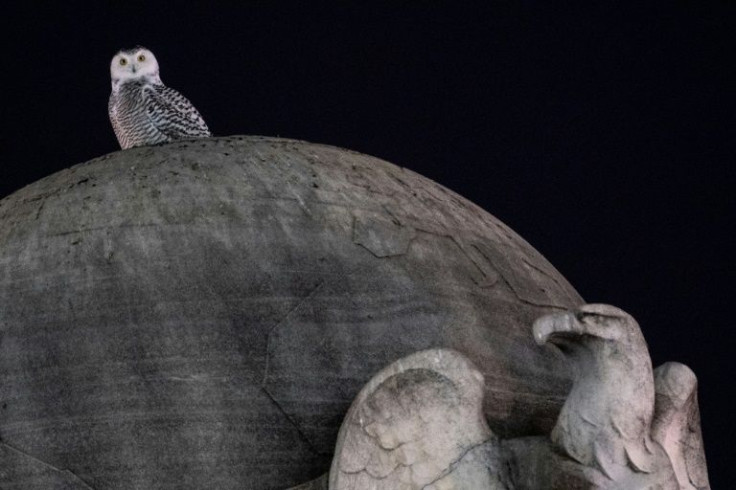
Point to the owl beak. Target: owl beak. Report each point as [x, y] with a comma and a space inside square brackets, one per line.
[133, 69]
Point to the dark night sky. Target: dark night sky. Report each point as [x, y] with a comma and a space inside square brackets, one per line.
[603, 132]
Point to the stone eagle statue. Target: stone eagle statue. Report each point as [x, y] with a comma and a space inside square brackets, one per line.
[419, 423]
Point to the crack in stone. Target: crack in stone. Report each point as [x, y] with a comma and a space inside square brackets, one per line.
[450, 468]
[453, 465]
[40, 208]
[376, 236]
[542, 305]
[67, 472]
[375, 477]
[267, 362]
[377, 439]
[529, 302]
[293, 423]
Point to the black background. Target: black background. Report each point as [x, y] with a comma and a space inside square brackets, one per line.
[602, 132]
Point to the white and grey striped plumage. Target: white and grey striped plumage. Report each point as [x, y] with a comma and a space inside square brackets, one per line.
[143, 110]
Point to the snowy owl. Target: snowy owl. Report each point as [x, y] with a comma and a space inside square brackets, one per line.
[143, 110]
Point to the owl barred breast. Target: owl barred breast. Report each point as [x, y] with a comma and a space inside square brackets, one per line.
[143, 110]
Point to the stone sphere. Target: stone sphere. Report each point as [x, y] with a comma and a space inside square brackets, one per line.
[201, 314]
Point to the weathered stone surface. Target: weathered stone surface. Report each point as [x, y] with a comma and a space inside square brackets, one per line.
[321, 483]
[202, 314]
[606, 422]
[418, 424]
[535, 463]
[676, 424]
[20, 471]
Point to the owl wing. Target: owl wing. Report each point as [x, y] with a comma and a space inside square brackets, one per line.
[413, 425]
[112, 113]
[173, 114]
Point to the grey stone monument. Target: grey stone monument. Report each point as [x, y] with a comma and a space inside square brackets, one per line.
[263, 313]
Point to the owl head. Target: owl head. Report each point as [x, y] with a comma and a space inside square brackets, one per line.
[134, 64]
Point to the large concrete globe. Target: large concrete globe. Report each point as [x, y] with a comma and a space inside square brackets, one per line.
[201, 314]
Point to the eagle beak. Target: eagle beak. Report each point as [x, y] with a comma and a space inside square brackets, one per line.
[556, 324]
[601, 321]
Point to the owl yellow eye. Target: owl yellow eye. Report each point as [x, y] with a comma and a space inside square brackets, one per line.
[141, 58]
[123, 62]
